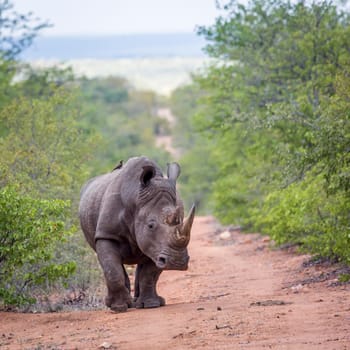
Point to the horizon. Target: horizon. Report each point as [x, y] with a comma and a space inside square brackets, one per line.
[159, 62]
[92, 35]
[114, 46]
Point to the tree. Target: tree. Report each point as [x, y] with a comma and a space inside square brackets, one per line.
[198, 167]
[44, 163]
[270, 101]
[124, 117]
[45, 149]
[44, 154]
[17, 31]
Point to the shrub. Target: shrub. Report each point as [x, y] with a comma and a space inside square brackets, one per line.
[30, 229]
[305, 214]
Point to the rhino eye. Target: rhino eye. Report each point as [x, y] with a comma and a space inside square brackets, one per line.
[151, 225]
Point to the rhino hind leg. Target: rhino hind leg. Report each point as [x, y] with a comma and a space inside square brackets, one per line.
[118, 284]
[146, 278]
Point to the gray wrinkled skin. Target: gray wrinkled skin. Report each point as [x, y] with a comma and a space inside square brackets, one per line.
[133, 215]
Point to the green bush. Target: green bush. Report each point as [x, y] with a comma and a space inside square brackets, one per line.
[30, 230]
[303, 213]
[45, 149]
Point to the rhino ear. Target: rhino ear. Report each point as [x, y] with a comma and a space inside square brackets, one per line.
[173, 172]
[148, 172]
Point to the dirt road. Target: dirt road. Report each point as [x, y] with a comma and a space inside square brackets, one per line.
[237, 294]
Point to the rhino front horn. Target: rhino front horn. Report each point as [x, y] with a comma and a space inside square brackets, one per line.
[187, 225]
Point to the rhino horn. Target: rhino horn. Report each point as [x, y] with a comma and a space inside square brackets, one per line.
[186, 228]
[183, 233]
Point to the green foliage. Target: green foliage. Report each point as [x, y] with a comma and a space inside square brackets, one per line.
[315, 210]
[197, 176]
[38, 123]
[344, 278]
[44, 155]
[304, 214]
[42, 82]
[184, 105]
[331, 138]
[44, 149]
[197, 164]
[7, 72]
[277, 107]
[125, 118]
[29, 232]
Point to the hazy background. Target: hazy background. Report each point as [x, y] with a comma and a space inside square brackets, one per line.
[152, 43]
[105, 17]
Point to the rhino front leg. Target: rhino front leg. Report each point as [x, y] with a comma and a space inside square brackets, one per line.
[118, 284]
[146, 278]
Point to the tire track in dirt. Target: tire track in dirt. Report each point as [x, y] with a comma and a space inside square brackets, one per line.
[237, 294]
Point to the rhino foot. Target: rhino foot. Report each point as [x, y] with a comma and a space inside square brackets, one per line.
[147, 303]
[118, 306]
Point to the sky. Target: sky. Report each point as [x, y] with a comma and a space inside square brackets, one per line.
[103, 17]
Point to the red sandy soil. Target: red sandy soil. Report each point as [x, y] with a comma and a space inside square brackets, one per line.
[237, 294]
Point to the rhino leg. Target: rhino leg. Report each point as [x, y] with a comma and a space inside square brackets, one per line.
[118, 284]
[146, 277]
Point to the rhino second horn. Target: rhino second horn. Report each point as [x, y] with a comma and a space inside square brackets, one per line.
[174, 218]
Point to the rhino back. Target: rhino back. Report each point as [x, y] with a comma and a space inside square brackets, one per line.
[91, 199]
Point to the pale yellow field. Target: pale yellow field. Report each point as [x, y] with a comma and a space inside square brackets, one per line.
[161, 75]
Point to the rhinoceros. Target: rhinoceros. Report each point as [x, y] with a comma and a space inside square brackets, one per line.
[133, 215]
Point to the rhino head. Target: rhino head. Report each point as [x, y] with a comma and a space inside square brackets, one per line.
[161, 231]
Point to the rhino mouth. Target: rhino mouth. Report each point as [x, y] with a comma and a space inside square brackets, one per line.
[167, 262]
